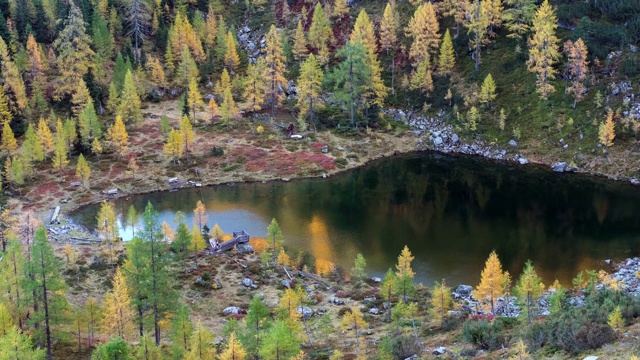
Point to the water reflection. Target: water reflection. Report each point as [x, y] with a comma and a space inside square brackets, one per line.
[450, 211]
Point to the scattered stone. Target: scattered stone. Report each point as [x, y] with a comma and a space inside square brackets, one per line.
[286, 283]
[560, 166]
[232, 310]
[513, 142]
[608, 261]
[439, 350]
[437, 141]
[634, 181]
[296, 136]
[246, 282]
[245, 248]
[374, 311]
[369, 299]
[325, 150]
[336, 301]
[464, 290]
[340, 148]
[523, 161]
[376, 280]
[412, 357]
[591, 357]
[306, 312]
[455, 139]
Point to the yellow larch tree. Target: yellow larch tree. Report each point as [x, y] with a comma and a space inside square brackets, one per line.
[96, 147]
[201, 344]
[309, 88]
[320, 33]
[5, 114]
[363, 30]
[493, 9]
[223, 83]
[543, 49]
[363, 33]
[8, 141]
[299, 48]
[45, 137]
[421, 77]
[354, 320]
[423, 28]
[216, 232]
[228, 110]
[200, 215]
[167, 232]
[578, 66]
[441, 301]
[458, 10]
[606, 131]
[255, 86]
[118, 137]
[156, 72]
[233, 349]
[60, 159]
[340, 9]
[492, 284]
[197, 241]
[182, 35]
[487, 91]
[188, 136]
[133, 166]
[447, 58]
[118, 314]
[529, 288]
[389, 26]
[288, 303]
[83, 172]
[194, 98]
[211, 26]
[231, 58]
[274, 68]
[174, 147]
[212, 108]
[404, 272]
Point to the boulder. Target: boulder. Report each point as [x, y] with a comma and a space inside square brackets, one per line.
[306, 312]
[437, 141]
[513, 142]
[439, 350]
[374, 311]
[464, 290]
[246, 282]
[244, 248]
[523, 161]
[455, 139]
[286, 283]
[336, 301]
[376, 280]
[591, 357]
[232, 310]
[560, 166]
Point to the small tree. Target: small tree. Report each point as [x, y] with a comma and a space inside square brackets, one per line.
[615, 319]
[529, 287]
[441, 300]
[359, 267]
[404, 272]
[488, 91]
[83, 172]
[353, 319]
[194, 99]
[606, 132]
[274, 236]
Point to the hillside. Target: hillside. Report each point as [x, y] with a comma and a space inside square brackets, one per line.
[108, 98]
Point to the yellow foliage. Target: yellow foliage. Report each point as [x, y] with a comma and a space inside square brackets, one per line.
[118, 137]
[118, 314]
[606, 132]
[543, 49]
[615, 319]
[403, 267]
[233, 349]
[283, 258]
[324, 267]
[492, 284]
[423, 28]
[260, 245]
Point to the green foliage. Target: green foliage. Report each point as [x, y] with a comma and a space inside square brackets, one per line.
[116, 348]
[359, 267]
[283, 339]
[485, 335]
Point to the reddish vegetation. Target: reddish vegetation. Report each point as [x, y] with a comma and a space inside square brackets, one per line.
[48, 187]
[116, 171]
[318, 146]
[288, 163]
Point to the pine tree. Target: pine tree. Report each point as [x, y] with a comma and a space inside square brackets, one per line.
[233, 350]
[363, 33]
[211, 27]
[404, 272]
[257, 321]
[274, 237]
[493, 9]
[201, 343]
[89, 124]
[118, 312]
[14, 171]
[299, 49]
[187, 69]
[543, 49]
[107, 228]
[118, 137]
[229, 110]
[488, 91]
[281, 341]
[46, 285]
[212, 109]
[13, 85]
[74, 53]
[80, 97]
[182, 242]
[389, 26]
[518, 17]
[12, 272]
[6, 321]
[231, 58]
[309, 88]
[137, 15]
[194, 98]
[477, 25]
[492, 283]
[130, 103]
[8, 142]
[389, 285]
[188, 136]
[156, 72]
[447, 59]
[359, 267]
[421, 78]
[181, 329]
[606, 131]
[423, 28]
[578, 66]
[529, 287]
[274, 68]
[174, 147]
[113, 100]
[255, 87]
[5, 113]
[83, 172]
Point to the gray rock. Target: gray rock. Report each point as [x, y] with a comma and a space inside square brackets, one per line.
[464, 290]
[336, 301]
[634, 181]
[325, 150]
[615, 91]
[560, 166]
[513, 142]
[523, 161]
[374, 311]
[565, 147]
[232, 310]
[439, 350]
[369, 299]
[437, 141]
[244, 248]
[591, 357]
[286, 283]
[376, 280]
[247, 282]
[307, 312]
[633, 48]
[455, 139]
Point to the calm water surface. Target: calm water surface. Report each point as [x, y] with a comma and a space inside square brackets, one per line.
[450, 210]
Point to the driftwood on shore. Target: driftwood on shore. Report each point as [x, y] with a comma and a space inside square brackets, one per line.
[313, 277]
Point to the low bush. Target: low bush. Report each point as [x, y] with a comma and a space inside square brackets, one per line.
[485, 335]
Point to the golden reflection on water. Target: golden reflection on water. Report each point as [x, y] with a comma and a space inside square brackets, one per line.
[320, 245]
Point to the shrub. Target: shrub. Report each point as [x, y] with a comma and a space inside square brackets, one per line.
[535, 336]
[405, 346]
[451, 323]
[341, 163]
[574, 335]
[484, 335]
[216, 151]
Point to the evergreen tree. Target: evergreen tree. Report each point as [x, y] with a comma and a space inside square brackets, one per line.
[447, 59]
[118, 137]
[421, 78]
[45, 137]
[12, 272]
[138, 18]
[404, 273]
[354, 320]
[181, 329]
[578, 66]
[488, 91]
[543, 49]
[31, 149]
[477, 25]
[46, 285]
[8, 140]
[17, 345]
[518, 17]
[606, 131]
[194, 98]
[233, 349]
[89, 124]
[441, 301]
[274, 68]
[309, 88]
[201, 343]
[13, 85]
[229, 110]
[5, 113]
[359, 267]
[320, 33]
[107, 228]
[389, 26]
[174, 147]
[300, 50]
[281, 341]
[274, 236]
[103, 45]
[231, 58]
[60, 159]
[74, 54]
[363, 32]
[187, 134]
[182, 243]
[257, 321]
[186, 70]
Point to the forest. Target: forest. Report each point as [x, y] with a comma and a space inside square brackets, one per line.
[102, 94]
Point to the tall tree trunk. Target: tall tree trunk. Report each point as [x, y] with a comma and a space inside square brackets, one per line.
[45, 301]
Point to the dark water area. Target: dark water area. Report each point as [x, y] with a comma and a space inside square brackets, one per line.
[451, 211]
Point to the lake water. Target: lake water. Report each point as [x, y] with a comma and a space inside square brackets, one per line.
[450, 210]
